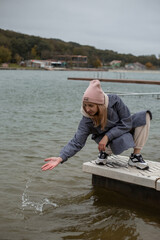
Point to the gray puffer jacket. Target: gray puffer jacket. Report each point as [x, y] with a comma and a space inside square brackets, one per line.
[120, 124]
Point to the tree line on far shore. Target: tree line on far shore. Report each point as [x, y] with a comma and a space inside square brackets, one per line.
[16, 47]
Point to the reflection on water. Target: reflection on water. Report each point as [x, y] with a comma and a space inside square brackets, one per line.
[99, 214]
[40, 112]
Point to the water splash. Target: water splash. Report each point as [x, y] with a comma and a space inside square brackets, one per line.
[38, 206]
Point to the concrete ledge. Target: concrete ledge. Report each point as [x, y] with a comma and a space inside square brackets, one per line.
[145, 178]
[138, 185]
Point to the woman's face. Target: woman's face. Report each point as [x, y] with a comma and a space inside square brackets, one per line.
[90, 108]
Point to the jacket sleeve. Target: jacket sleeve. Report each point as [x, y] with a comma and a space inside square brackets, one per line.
[124, 123]
[77, 142]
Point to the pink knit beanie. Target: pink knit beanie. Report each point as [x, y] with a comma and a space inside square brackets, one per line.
[94, 93]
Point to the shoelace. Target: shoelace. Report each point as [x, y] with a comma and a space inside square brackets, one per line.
[139, 158]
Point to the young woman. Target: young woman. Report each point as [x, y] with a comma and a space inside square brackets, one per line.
[112, 126]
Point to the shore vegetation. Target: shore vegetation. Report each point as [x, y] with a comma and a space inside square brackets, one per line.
[16, 47]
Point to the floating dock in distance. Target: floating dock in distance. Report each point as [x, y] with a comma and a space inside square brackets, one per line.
[119, 80]
[139, 185]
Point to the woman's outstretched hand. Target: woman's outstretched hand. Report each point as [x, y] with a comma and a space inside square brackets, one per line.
[52, 162]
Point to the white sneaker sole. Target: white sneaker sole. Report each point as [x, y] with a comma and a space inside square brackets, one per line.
[142, 166]
[101, 161]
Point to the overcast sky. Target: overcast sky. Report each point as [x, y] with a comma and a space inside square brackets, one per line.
[124, 26]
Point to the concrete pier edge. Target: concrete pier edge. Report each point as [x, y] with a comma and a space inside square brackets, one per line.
[139, 185]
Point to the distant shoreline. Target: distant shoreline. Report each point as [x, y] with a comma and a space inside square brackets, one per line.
[140, 71]
[82, 69]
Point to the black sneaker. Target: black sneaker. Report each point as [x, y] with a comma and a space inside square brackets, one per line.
[136, 160]
[102, 158]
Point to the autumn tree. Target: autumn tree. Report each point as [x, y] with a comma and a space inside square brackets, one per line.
[95, 62]
[5, 54]
[149, 65]
[17, 58]
[34, 52]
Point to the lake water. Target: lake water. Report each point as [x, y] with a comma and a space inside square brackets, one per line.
[40, 111]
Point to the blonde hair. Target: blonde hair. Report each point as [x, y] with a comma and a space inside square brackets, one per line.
[100, 119]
